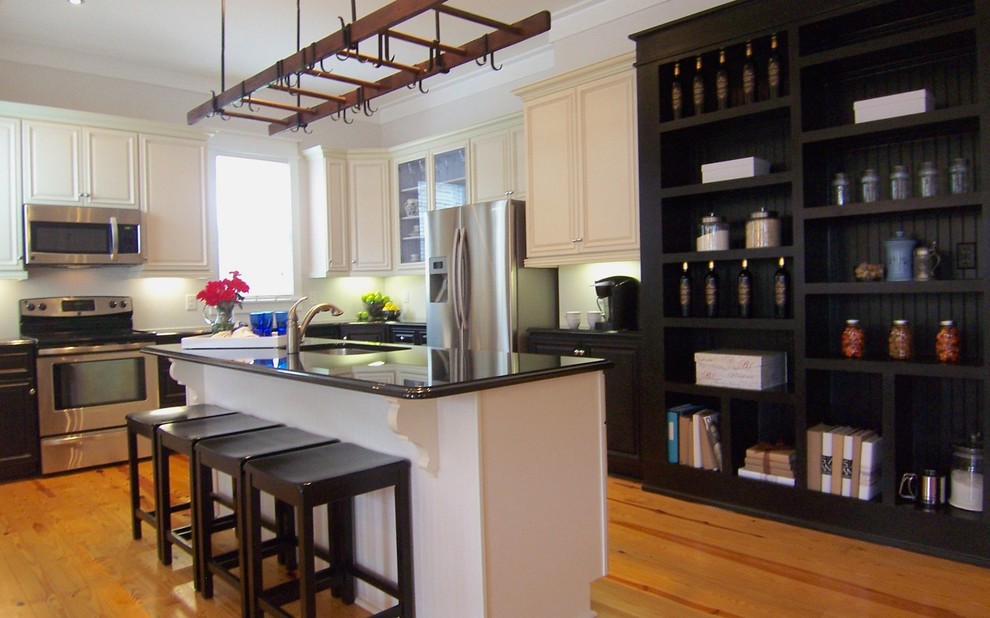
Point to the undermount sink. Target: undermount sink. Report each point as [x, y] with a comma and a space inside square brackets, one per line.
[348, 347]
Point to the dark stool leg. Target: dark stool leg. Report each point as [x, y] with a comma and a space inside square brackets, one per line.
[132, 456]
[404, 545]
[203, 543]
[163, 503]
[307, 578]
[251, 541]
[341, 535]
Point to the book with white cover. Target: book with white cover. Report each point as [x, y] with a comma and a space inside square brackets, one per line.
[762, 476]
[871, 469]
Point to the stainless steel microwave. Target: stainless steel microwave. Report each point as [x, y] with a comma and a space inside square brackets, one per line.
[81, 236]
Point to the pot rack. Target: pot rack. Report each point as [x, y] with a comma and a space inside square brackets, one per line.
[284, 79]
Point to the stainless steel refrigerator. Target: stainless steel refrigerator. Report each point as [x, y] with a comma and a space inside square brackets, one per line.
[479, 295]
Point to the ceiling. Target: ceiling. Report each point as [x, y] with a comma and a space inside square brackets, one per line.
[177, 42]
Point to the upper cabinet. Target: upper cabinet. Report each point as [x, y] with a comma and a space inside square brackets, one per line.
[414, 200]
[173, 172]
[582, 167]
[497, 161]
[368, 213]
[328, 235]
[11, 262]
[77, 165]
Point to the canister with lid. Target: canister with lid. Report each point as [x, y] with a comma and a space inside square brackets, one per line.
[713, 233]
[966, 478]
[763, 229]
[841, 190]
[900, 342]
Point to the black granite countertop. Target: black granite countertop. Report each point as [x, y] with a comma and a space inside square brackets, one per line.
[409, 372]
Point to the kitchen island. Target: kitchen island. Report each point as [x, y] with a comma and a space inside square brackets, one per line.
[508, 450]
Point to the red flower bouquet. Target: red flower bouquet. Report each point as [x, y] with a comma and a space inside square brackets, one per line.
[224, 291]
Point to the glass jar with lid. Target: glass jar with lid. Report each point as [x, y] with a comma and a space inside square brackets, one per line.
[966, 478]
[947, 343]
[900, 183]
[869, 186]
[763, 229]
[853, 341]
[713, 233]
[900, 343]
[928, 179]
[841, 190]
[959, 176]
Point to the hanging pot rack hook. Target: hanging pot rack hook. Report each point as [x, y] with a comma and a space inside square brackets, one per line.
[488, 57]
[239, 103]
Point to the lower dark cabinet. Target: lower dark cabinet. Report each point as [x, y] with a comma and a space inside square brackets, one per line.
[363, 331]
[622, 387]
[20, 448]
[407, 333]
[170, 392]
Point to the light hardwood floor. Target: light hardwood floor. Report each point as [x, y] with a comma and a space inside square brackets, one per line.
[66, 550]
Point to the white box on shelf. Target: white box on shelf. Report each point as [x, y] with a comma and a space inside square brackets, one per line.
[903, 104]
[745, 369]
[746, 167]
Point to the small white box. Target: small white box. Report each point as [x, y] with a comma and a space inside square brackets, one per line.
[746, 369]
[207, 342]
[903, 104]
[746, 167]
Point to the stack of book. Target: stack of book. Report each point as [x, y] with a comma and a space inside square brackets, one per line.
[844, 461]
[693, 437]
[770, 463]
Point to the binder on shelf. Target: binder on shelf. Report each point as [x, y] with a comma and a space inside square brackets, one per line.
[838, 442]
[673, 425]
[685, 450]
[815, 459]
[852, 453]
[871, 468]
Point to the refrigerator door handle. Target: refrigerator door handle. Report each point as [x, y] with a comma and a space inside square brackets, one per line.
[455, 283]
[464, 280]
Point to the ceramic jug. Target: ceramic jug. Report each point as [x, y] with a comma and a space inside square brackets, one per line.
[897, 261]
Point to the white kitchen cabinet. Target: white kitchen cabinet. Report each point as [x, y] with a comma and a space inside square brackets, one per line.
[11, 260]
[176, 232]
[581, 158]
[493, 166]
[412, 186]
[78, 165]
[369, 215]
[328, 233]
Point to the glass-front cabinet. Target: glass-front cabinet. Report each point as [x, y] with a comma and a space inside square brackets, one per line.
[414, 199]
[426, 181]
[449, 178]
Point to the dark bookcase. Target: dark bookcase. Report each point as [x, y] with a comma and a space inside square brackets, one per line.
[831, 54]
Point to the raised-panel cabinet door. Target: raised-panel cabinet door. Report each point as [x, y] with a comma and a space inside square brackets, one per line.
[491, 166]
[327, 213]
[11, 263]
[52, 163]
[369, 215]
[609, 185]
[111, 170]
[517, 146]
[551, 229]
[174, 203]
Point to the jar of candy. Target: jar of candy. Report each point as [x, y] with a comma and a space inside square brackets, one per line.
[900, 343]
[947, 344]
[852, 340]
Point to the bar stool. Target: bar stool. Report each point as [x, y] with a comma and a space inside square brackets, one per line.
[144, 424]
[228, 455]
[327, 475]
[181, 438]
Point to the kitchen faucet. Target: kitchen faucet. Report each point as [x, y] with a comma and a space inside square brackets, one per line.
[296, 331]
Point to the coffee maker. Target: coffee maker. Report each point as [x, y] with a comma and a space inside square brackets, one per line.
[618, 299]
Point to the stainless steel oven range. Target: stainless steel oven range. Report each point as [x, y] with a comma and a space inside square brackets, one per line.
[91, 374]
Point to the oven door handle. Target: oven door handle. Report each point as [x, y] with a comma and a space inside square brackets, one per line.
[103, 348]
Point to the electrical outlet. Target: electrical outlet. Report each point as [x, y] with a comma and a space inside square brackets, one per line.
[190, 302]
[966, 255]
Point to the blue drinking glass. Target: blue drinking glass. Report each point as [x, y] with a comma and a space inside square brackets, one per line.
[261, 323]
[281, 319]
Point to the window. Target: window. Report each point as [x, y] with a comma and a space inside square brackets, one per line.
[254, 223]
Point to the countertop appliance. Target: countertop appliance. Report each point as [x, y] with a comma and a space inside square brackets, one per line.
[91, 374]
[480, 297]
[81, 236]
[618, 298]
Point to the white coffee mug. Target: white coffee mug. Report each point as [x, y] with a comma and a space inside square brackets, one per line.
[572, 319]
[594, 318]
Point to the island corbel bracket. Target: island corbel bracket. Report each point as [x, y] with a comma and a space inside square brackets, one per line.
[416, 421]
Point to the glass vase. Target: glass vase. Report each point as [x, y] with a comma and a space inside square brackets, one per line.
[220, 317]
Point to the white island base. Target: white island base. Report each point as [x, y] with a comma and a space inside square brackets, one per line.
[508, 484]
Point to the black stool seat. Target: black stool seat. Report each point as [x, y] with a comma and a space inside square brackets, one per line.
[181, 438]
[228, 455]
[328, 475]
[144, 424]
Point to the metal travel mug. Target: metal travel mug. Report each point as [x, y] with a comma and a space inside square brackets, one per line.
[931, 488]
